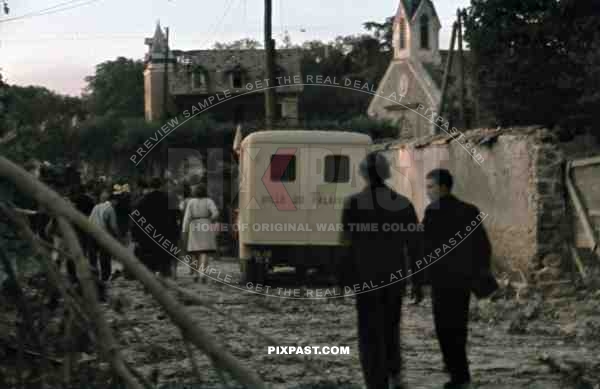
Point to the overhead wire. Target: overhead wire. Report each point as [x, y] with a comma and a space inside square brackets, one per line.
[216, 26]
[50, 10]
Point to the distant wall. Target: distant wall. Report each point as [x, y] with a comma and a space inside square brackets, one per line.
[513, 175]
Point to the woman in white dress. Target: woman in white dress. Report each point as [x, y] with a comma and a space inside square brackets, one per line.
[198, 218]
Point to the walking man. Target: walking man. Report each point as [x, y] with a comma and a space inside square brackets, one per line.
[103, 215]
[376, 258]
[455, 228]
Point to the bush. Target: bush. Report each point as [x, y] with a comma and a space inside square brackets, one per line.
[376, 129]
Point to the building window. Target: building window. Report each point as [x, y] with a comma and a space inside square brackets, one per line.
[283, 168]
[337, 169]
[236, 80]
[424, 23]
[402, 33]
[198, 80]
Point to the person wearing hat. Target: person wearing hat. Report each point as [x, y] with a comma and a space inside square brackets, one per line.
[375, 268]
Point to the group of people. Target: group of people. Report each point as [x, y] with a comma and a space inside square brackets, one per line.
[176, 215]
[451, 253]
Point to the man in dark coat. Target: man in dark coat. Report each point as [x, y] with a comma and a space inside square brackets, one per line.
[380, 226]
[457, 250]
[84, 203]
[158, 213]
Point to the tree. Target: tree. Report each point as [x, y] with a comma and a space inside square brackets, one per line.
[286, 41]
[363, 58]
[117, 88]
[240, 44]
[533, 58]
[383, 32]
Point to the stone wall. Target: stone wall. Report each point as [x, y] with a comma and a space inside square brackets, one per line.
[512, 175]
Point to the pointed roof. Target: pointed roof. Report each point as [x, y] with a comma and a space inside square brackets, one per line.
[159, 41]
[411, 7]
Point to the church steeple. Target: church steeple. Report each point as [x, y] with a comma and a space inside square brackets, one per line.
[154, 74]
[159, 41]
[157, 45]
[416, 31]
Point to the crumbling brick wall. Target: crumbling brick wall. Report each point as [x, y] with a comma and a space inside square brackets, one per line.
[514, 175]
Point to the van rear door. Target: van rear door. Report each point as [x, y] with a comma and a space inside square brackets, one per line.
[334, 176]
[278, 169]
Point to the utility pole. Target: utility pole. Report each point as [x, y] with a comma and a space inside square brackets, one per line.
[166, 93]
[447, 73]
[270, 104]
[166, 80]
[461, 70]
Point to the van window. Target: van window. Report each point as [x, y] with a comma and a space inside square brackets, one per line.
[337, 168]
[283, 167]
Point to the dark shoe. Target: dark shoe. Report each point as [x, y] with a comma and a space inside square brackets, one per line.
[396, 382]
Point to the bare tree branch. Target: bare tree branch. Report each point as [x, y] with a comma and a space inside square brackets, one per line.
[26, 183]
[107, 342]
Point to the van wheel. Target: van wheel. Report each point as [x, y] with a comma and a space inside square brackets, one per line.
[247, 268]
[254, 271]
[301, 272]
[260, 271]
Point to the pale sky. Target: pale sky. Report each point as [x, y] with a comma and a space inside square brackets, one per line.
[58, 49]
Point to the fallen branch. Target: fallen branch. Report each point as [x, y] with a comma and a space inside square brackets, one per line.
[54, 203]
[107, 342]
[578, 262]
[40, 248]
[24, 308]
[190, 354]
[68, 348]
[34, 354]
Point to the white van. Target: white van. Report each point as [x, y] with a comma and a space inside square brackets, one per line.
[292, 189]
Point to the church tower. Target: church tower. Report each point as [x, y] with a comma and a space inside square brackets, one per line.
[416, 31]
[154, 75]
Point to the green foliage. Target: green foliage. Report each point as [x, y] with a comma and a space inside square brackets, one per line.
[362, 58]
[117, 88]
[99, 137]
[41, 120]
[383, 32]
[535, 58]
[376, 129]
[240, 44]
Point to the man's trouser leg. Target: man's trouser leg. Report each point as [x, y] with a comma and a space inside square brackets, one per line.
[371, 315]
[106, 265]
[451, 317]
[93, 255]
[393, 315]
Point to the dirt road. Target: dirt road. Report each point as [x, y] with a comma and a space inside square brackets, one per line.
[512, 345]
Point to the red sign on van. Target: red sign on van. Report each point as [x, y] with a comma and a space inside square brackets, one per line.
[272, 179]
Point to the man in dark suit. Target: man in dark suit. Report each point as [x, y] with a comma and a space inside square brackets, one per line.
[457, 250]
[379, 226]
[161, 215]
